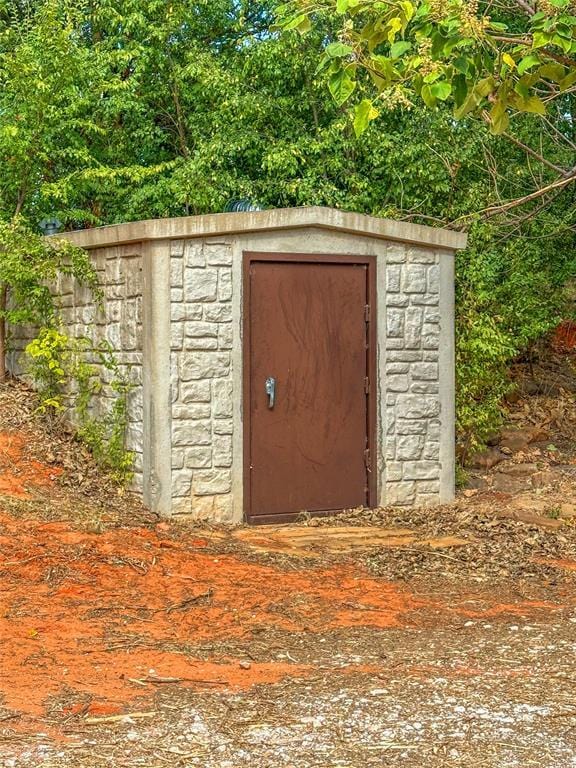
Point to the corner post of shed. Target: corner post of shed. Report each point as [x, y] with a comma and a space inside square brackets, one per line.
[156, 376]
[447, 382]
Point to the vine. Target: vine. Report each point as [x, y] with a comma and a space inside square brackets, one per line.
[67, 384]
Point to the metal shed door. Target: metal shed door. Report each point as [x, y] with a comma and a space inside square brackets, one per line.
[307, 393]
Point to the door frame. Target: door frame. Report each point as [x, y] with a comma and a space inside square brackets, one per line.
[371, 355]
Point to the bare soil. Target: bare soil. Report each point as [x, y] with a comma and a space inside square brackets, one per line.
[129, 641]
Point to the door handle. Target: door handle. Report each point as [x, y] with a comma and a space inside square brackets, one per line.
[271, 390]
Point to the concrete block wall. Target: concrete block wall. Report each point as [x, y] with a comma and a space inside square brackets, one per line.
[202, 335]
[412, 403]
[118, 320]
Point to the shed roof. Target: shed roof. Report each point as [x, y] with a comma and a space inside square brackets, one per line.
[215, 224]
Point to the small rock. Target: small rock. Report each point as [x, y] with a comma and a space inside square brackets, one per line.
[519, 469]
[510, 484]
[486, 459]
[515, 439]
[543, 479]
[477, 484]
[244, 665]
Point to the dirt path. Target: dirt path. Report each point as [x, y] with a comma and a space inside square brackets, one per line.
[227, 660]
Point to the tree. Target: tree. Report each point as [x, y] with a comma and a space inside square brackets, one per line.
[496, 61]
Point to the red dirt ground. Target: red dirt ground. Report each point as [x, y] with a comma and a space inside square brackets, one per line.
[88, 620]
[17, 472]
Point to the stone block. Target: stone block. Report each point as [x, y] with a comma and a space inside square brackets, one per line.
[424, 300]
[421, 256]
[205, 365]
[431, 451]
[177, 248]
[395, 254]
[200, 285]
[393, 276]
[177, 273]
[225, 336]
[411, 427]
[433, 284]
[403, 356]
[222, 447]
[218, 313]
[425, 388]
[195, 392]
[191, 411]
[434, 429]
[218, 254]
[183, 311]
[428, 486]
[409, 447]
[393, 471]
[209, 482]
[397, 383]
[413, 334]
[176, 296]
[223, 427]
[189, 433]
[198, 457]
[224, 284]
[176, 335]
[218, 508]
[392, 368]
[395, 323]
[397, 300]
[181, 482]
[400, 494]
[222, 405]
[201, 330]
[431, 315]
[114, 273]
[425, 371]
[414, 278]
[177, 458]
[194, 254]
[417, 407]
[421, 470]
[209, 344]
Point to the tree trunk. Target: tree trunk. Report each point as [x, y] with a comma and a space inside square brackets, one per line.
[3, 302]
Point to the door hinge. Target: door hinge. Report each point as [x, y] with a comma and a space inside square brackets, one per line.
[368, 460]
[367, 385]
[367, 313]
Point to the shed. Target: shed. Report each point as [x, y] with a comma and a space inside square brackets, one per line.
[286, 361]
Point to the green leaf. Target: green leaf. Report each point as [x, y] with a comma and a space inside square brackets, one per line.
[499, 119]
[540, 39]
[534, 105]
[338, 50]
[552, 71]
[441, 90]
[399, 48]
[568, 80]
[341, 86]
[528, 62]
[427, 96]
[363, 114]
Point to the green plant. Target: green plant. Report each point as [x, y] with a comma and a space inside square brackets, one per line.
[105, 435]
[48, 356]
[68, 384]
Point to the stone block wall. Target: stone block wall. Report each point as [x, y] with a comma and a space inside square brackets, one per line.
[411, 387]
[119, 321]
[201, 377]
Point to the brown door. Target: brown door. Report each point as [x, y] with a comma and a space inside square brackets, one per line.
[307, 388]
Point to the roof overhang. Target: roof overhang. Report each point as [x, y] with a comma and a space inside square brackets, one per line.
[215, 224]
